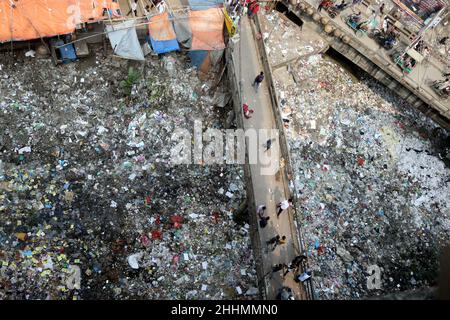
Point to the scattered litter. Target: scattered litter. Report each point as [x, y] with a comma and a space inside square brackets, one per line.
[30, 53]
[86, 182]
[133, 260]
[365, 149]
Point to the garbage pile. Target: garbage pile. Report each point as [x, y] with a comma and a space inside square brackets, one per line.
[91, 208]
[282, 38]
[372, 186]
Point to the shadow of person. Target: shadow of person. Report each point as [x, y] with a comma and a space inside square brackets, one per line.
[278, 195]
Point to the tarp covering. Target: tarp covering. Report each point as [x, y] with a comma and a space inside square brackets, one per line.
[162, 35]
[160, 28]
[231, 27]
[124, 40]
[183, 29]
[31, 19]
[90, 10]
[164, 46]
[205, 4]
[207, 29]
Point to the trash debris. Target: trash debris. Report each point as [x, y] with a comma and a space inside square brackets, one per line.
[30, 53]
[371, 187]
[73, 280]
[86, 182]
[133, 260]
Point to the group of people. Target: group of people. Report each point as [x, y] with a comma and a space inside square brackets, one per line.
[278, 240]
[326, 4]
[330, 4]
[294, 267]
[355, 19]
[263, 220]
[407, 63]
[422, 48]
[388, 36]
[238, 7]
[335, 8]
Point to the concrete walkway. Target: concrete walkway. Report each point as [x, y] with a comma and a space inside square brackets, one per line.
[268, 189]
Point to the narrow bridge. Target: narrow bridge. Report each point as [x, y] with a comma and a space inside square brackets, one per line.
[246, 59]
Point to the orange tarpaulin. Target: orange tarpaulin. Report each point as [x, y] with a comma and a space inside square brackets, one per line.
[91, 10]
[161, 28]
[31, 19]
[207, 29]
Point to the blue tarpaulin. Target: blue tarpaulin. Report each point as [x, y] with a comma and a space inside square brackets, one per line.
[164, 46]
[204, 4]
[197, 57]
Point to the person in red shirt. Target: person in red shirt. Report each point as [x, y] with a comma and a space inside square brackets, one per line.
[253, 8]
[324, 4]
[247, 111]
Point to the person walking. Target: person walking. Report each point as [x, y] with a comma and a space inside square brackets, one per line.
[443, 40]
[298, 260]
[283, 205]
[269, 144]
[273, 240]
[290, 268]
[295, 264]
[341, 6]
[262, 219]
[382, 9]
[260, 210]
[285, 293]
[247, 111]
[257, 82]
[279, 242]
[253, 8]
[134, 6]
[324, 4]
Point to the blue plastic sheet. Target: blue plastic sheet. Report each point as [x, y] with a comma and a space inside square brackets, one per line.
[164, 46]
[197, 57]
